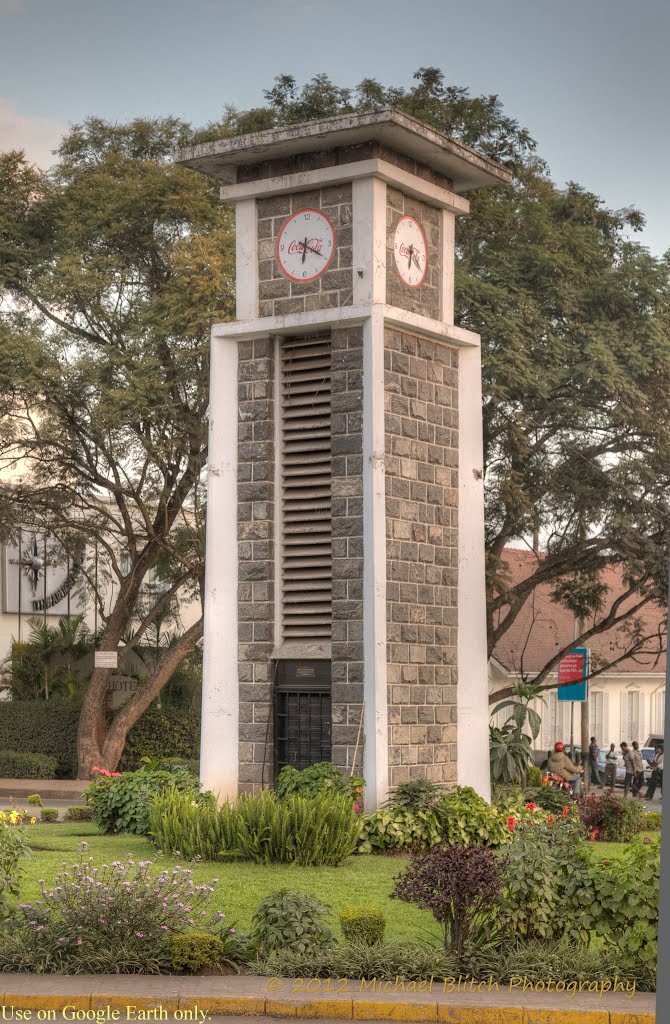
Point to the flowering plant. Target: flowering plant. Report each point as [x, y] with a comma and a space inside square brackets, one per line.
[13, 848]
[121, 801]
[116, 905]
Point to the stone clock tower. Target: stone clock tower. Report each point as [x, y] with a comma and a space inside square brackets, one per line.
[344, 608]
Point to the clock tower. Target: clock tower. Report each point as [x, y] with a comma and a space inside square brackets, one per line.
[345, 603]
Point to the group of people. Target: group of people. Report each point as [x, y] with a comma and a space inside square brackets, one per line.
[634, 765]
[558, 763]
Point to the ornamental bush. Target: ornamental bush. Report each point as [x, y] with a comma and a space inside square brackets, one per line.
[416, 794]
[611, 817]
[317, 831]
[16, 764]
[91, 913]
[195, 951]
[121, 801]
[323, 777]
[49, 814]
[38, 728]
[162, 735]
[290, 920]
[77, 813]
[363, 924]
[13, 849]
[625, 893]
[466, 818]
[399, 828]
[459, 885]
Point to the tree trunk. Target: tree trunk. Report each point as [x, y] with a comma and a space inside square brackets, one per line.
[90, 753]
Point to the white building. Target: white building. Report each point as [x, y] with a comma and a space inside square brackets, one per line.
[626, 701]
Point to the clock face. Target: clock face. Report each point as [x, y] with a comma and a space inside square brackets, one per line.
[409, 248]
[306, 245]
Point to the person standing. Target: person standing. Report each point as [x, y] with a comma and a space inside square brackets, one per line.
[656, 779]
[594, 754]
[638, 781]
[611, 762]
[629, 764]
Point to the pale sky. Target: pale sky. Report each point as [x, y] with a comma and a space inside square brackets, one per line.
[590, 79]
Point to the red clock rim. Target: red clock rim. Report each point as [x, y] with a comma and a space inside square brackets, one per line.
[306, 209]
[407, 216]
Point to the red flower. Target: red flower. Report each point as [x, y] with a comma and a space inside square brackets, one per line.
[550, 821]
[511, 823]
[356, 807]
[530, 806]
[116, 775]
[594, 834]
[566, 811]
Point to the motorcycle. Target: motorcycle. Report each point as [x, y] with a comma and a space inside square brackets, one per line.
[556, 782]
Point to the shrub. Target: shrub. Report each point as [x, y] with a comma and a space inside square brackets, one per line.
[458, 884]
[363, 924]
[90, 911]
[319, 831]
[613, 819]
[290, 920]
[195, 952]
[652, 821]
[79, 814]
[16, 764]
[398, 828]
[416, 795]
[533, 959]
[550, 799]
[121, 802]
[35, 800]
[466, 818]
[546, 888]
[13, 849]
[534, 776]
[384, 960]
[626, 897]
[46, 727]
[323, 777]
[162, 735]
[48, 814]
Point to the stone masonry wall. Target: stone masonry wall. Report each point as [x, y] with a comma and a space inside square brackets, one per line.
[425, 298]
[347, 544]
[421, 421]
[278, 294]
[256, 470]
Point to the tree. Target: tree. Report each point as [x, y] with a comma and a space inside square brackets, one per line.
[574, 319]
[113, 267]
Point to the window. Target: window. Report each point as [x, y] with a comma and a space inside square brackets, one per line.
[659, 712]
[630, 715]
[599, 716]
[305, 474]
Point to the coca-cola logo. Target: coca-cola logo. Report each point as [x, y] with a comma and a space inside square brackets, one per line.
[405, 251]
[315, 244]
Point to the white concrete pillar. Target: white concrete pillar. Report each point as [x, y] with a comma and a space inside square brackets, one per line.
[472, 691]
[219, 738]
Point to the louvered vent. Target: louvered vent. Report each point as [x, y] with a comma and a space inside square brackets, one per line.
[305, 480]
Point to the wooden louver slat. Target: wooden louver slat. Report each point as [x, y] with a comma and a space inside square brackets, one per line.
[306, 566]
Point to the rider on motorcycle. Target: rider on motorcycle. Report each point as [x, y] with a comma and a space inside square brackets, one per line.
[560, 764]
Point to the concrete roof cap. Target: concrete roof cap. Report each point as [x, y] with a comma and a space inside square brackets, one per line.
[406, 135]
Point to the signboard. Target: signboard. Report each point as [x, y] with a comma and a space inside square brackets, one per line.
[38, 579]
[574, 668]
[106, 659]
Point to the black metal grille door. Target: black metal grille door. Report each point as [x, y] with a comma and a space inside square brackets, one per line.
[302, 714]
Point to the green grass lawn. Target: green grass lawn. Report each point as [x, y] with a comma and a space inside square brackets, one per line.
[242, 886]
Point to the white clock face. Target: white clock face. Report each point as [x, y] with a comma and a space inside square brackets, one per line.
[409, 247]
[306, 245]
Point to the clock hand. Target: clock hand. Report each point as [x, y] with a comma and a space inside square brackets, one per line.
[418, 265]
[411, 253]
[304, 250]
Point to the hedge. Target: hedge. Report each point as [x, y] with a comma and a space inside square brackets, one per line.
[162, 734]
[42, 727]
[21, 765]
